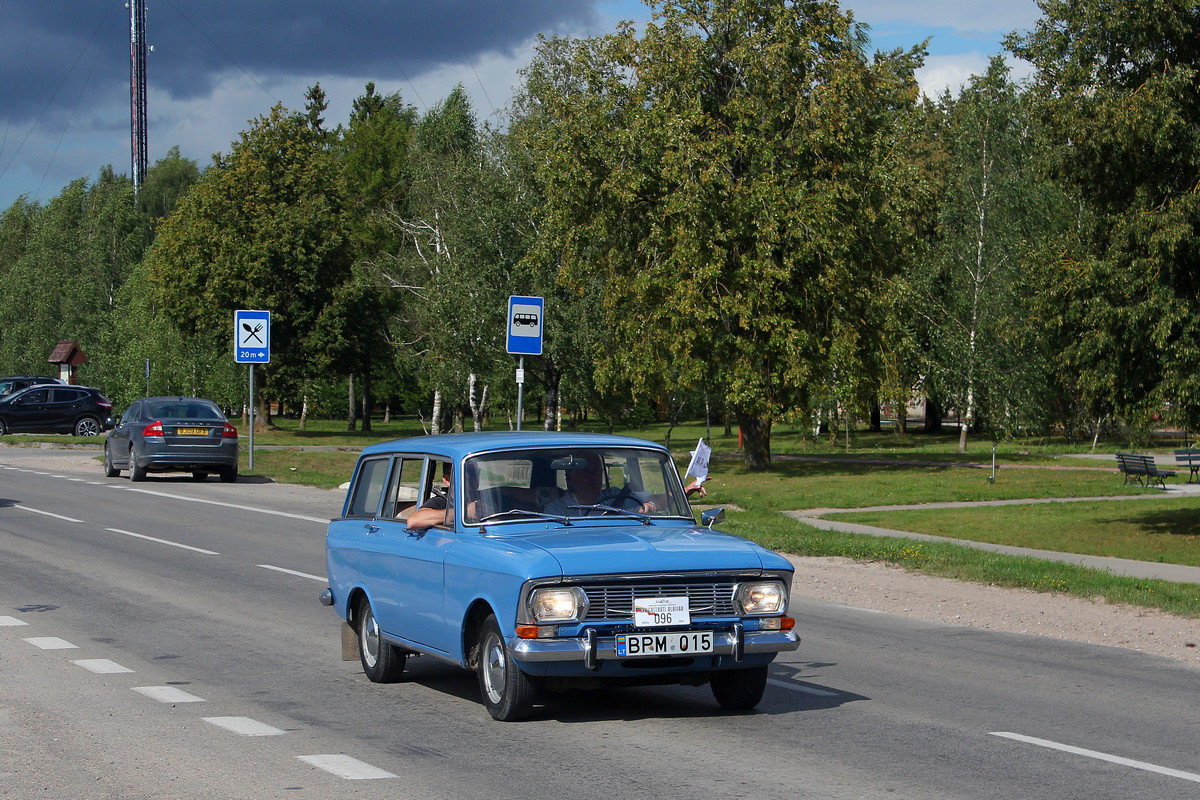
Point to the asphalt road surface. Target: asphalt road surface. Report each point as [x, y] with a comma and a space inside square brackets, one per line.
[164, 639]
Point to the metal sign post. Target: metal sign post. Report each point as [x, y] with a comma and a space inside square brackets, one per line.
[526, 316]
[252, 345]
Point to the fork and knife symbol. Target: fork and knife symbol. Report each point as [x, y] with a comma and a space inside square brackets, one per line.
[252, 332]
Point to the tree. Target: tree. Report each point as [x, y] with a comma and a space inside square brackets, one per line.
[1117, 88]
[724, 173]
[265, 227]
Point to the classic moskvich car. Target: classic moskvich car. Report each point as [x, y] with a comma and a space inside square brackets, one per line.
[560, 560]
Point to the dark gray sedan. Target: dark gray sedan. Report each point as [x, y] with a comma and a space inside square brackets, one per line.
[172, 434]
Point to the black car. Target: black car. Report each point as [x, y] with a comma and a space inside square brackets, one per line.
[15, 383]
[172, 434]
[55, 408]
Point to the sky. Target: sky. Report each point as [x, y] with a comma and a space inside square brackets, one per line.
[216, 65]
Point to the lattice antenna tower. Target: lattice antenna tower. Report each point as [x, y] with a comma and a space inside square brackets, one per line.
[137, 91]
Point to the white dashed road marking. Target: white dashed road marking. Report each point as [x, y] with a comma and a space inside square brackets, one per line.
[167, 694]
[51, 643]
[102, 666]
[294, 572]
[164, 541]
[1080, 751]
[346, 767]
[244, 726]
[797, 687]
[46, 513]
[7, 622]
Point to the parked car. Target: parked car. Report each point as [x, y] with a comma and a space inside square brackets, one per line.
[172, 434]
[55, 408]
[561, 560]
[15, 383]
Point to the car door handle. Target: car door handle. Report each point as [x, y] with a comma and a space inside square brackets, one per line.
[371, 528]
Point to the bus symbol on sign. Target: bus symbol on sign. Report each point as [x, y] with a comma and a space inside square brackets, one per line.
[525, 315]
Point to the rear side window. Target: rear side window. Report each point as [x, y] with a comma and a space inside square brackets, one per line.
[68, 395]
[368, 487]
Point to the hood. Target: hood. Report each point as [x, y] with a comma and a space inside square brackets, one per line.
[597, 550]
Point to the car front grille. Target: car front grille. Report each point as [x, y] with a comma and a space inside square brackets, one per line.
[615, 601]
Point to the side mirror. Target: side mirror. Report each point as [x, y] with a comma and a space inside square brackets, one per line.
[714, 516]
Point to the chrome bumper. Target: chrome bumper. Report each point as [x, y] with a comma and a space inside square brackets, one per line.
[593, 648]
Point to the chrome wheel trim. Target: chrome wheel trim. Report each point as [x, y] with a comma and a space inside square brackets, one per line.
[495, 668]
[369, 639]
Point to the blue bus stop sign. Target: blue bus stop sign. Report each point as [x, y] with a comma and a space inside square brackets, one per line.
[526, 318]
[252, 337]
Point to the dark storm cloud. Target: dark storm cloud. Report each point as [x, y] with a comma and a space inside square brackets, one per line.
[56, 54]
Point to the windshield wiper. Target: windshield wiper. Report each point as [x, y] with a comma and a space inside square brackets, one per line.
[644, 518]
[518, 512]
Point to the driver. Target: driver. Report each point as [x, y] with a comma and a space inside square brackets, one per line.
[585, 487]
[437, 509]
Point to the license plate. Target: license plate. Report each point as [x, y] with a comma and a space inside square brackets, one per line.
[192, 431]
[658, 612]
[686, 643]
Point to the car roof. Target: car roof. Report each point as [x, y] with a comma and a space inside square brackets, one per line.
[460, 445]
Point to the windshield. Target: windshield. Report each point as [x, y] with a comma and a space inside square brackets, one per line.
[572, 482]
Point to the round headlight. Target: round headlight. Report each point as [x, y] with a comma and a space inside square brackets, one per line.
[757, 599]
[556, 605]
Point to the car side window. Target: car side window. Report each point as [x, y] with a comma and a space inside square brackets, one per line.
[35, 396]
[405, 487]
[368, 487]
[131, 414]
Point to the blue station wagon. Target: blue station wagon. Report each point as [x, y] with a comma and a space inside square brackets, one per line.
[546, 561]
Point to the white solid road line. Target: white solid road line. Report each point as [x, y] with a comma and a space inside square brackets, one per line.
[346, 767]
[1080, 751]
[164, 541]
[294, 572]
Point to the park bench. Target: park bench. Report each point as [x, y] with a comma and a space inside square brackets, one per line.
[1142, 469]
[1191, 460]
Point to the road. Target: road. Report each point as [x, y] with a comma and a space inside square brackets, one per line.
[164, 639]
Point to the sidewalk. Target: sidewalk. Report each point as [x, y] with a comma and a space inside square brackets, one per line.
[1118, 566]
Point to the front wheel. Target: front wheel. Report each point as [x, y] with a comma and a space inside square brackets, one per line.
[381, 662]
[739, 689]
[87, 427]
[507, 692]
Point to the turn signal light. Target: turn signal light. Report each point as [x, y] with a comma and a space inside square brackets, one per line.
[786, 623]
[527, 631]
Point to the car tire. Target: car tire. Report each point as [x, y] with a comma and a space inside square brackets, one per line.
[508, 693]
[3, 428]
[381, 662]
[739, 689]
[229, 474]
[136, 473]
[87, 426]
[109, 470]
[199, 476]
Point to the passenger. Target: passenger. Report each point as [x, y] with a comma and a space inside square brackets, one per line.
[437, 510]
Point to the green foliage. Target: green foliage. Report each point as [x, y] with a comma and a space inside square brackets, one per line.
[717, 171]
[264, 228]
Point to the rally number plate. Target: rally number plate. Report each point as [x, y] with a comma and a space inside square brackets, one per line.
[685, 643]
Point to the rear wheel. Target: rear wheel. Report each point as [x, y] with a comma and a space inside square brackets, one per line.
[136, 473]
[507, 692]
[382, 662]
[739, 689]
[199, 476]
[87, 426]
[109, 470]
[229, 474]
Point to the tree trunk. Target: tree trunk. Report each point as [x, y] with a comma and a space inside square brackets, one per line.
[366, 403]
[933, 415]
[756, 440]
[477, 409]
[351, 420]
[876, 417]
[435, 424]
[304, 413]
[552, 377]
